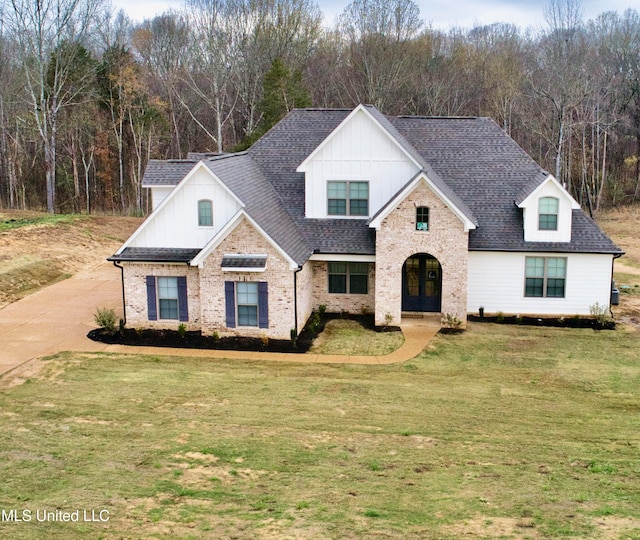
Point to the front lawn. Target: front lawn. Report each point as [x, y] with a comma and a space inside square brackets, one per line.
[503, 431]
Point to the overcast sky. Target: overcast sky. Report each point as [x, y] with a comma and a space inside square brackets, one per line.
[440, 13]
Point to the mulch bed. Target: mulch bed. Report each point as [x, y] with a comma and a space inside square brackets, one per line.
[196, 340]
[561, 322]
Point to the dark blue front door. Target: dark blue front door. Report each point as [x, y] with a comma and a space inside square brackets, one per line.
[421, 284]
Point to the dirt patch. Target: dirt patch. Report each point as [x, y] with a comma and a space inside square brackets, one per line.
[22, 373]
[612, 527]
[493, 527]
[34, 256]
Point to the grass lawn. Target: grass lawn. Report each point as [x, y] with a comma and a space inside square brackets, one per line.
[500, 432]
[349, 337]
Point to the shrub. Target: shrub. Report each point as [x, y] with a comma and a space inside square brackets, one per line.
[322, 309]
[293, 334]
[388, 318]
[215, 336]
[451, 321]
[600, 313]
[182, 330]
[499, 317]
[106, 318]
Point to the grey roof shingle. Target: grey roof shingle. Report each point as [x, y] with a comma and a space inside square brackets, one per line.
[475, 163]
[240, 261]
[168, 173]
[241, 174]
[143, 254]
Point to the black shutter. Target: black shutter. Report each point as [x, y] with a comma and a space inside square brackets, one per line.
[183, 303]
[230, 303]
[152, 305]
[263, 304]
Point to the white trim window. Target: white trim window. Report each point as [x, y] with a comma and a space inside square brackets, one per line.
[205, 213]
[348, 198]
[545, 277]
[247, 303]
[548, 214]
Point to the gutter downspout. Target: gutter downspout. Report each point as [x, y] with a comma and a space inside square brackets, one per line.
[124, 305]
[613, 262]
[295, 298]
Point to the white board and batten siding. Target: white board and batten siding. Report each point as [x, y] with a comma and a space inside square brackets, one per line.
[159, 194]
[497, 283]
[358, 151]
[175, 225]
[530, 207]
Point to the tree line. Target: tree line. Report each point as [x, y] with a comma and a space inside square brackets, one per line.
[87, 97]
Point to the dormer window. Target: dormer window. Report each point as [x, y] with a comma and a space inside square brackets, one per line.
[346, 198]
[548, 214]
[205, 213]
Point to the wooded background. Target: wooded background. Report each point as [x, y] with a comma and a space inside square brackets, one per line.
[87, 97]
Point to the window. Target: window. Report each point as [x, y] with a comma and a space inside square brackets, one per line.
[167, 298]
[348, 198]
[545, 277]
[246, 303]
[422, 218]
[205, 213]
[548, 214]
[348, 278]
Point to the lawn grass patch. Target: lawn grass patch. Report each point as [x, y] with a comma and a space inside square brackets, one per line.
[8, 222]
[498, 432]
[350, 337]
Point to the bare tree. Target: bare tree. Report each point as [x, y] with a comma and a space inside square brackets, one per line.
[51, 33]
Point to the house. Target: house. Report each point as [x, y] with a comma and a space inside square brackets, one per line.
[361, 212]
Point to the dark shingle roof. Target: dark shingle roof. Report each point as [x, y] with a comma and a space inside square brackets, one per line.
[166, 173]
[242, 261]
[169, 255]
[475, 163]
[490, 172]
[241, 174]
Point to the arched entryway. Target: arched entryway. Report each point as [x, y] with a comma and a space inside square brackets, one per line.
[422, 284]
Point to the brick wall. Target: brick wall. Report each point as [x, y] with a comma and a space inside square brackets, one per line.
[245, 239]
[397, 240]
[351, 303]
[135, 290]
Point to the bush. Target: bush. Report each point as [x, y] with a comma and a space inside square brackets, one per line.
[600, 313]
[106, 318]
[182, 330]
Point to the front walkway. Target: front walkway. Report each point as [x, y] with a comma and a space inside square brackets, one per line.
[59, 317]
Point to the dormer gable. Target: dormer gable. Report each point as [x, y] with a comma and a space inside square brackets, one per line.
[459, 210]
[547, 212]
[190, 215]
[357, 168]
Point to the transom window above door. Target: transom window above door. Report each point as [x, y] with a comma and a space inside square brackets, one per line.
[347, 198]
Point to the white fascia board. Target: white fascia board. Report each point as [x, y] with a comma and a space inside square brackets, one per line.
[171, 195]
[303, 166]
[337, 257]
[393, 203]
[241, 214]
[240, 269]
[574, 204]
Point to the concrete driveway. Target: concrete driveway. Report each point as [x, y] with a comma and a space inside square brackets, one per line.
[58, 317]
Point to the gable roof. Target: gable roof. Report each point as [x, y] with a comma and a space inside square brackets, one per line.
[459, 210]
[242, 175]
[471, 161]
